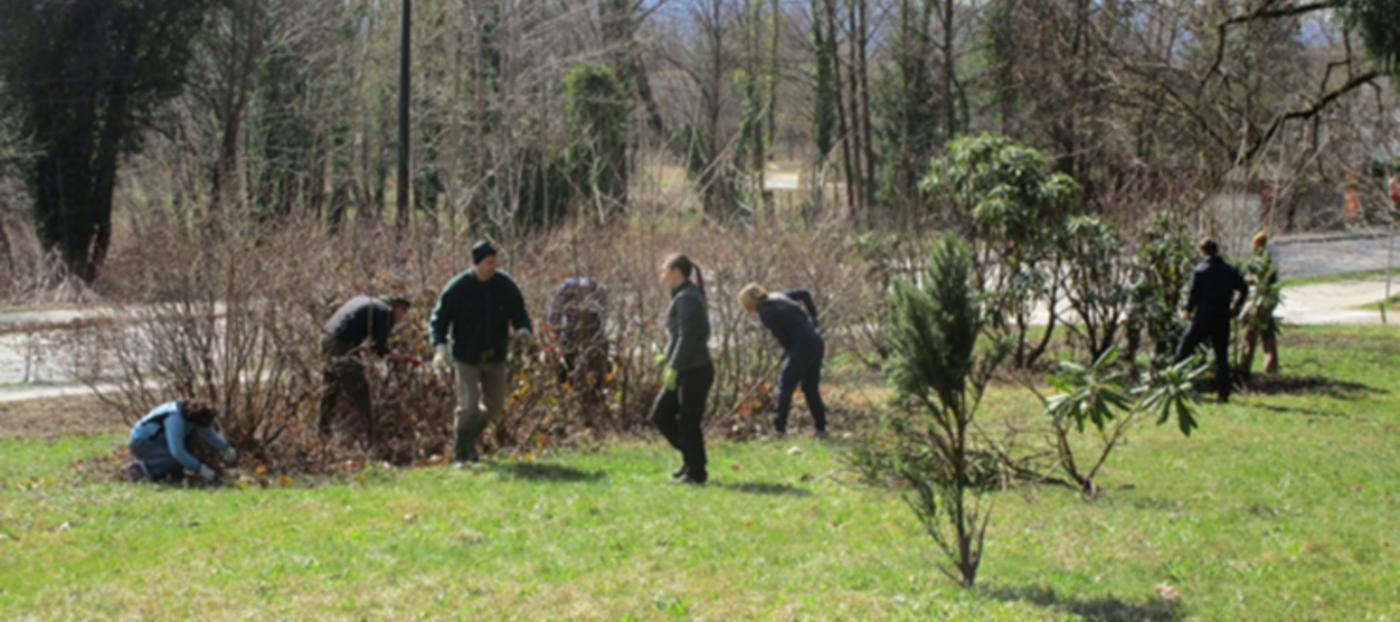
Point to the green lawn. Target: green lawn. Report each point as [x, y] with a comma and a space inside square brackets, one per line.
[1291, 281]
[1281, 507]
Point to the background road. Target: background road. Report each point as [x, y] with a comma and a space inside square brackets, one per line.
[29, 369]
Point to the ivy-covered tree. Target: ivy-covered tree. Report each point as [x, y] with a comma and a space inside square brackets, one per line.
[598, 109]
[83, 79]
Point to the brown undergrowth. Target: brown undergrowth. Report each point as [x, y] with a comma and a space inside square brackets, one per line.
[234, 316]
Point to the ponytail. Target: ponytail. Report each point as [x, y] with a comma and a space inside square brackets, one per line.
[687, 268]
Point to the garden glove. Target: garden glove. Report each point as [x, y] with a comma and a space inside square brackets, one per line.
[442, 360]
[659, 360]
[206, 473]
[670, 378]
[230, 454]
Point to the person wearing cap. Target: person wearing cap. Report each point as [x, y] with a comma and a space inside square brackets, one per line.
[1217, 292]
[803, 348]
[160, 441]
[575, 322]
[471, 336]
[360, 326]
[1258, 317]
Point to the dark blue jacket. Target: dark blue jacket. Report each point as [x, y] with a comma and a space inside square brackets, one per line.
[786, 320]
[363, 318]
[1214, 285]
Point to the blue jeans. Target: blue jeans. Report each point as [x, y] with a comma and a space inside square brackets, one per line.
[154, 456]
[802, 367]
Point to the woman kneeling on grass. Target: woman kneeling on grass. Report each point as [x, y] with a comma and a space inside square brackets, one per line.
[158, 441]
[803, 348]
[689, 370]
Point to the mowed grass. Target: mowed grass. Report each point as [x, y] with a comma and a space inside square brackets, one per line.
[1281, 507]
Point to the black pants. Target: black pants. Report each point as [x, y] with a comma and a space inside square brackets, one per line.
[802, 367]
[1218, 334]
[678, 415]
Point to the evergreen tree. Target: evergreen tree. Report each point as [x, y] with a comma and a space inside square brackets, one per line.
[84, 78]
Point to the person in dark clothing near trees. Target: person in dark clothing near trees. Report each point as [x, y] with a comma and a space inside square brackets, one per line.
[575, 321]
[803, 348]
[471, 336]
[1216, 295]
[361, 325]
[680, 407]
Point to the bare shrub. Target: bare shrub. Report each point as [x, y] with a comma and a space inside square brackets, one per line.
[233, 315]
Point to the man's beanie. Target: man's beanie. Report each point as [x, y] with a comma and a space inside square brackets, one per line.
[481, 251]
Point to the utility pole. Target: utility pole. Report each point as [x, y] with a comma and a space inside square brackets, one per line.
[403, 185]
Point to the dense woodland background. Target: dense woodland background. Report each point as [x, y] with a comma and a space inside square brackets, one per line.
[535, 115]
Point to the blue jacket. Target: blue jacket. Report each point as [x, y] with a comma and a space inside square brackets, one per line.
[168, 420]
[786, 320]
[576, 297]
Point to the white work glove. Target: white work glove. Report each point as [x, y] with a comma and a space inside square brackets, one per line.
[206, 473]
[230, 454]
[442, 360]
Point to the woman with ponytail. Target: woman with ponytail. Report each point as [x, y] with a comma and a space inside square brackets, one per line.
[690, 373]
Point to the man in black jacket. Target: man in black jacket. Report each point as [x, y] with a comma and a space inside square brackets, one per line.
[361, 325]
[471, 336]
[1217, 293]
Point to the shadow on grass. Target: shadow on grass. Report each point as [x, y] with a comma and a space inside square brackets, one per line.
[1105, 609]
[1306, 412]
[764, 488]
[1285, 384]
[547, 472]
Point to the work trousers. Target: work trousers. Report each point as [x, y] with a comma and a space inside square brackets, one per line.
[343, 376]
[1251, 342]
[802, 367]
[679, 414]
[475, 382]
[155, 457]
[1217, 333]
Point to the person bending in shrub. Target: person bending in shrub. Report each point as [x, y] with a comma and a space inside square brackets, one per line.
[576, 322]
[159, 441]
[690, 373]
[471, 334]
[803, 348]
[361, 326]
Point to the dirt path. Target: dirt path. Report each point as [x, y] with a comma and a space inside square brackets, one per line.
[1334, 303]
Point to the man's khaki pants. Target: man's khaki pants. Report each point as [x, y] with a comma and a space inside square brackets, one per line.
[474, 382]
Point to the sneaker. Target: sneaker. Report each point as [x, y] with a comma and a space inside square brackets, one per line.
[679, 473]
[821, 435]
[689, 479]
[134, 472]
